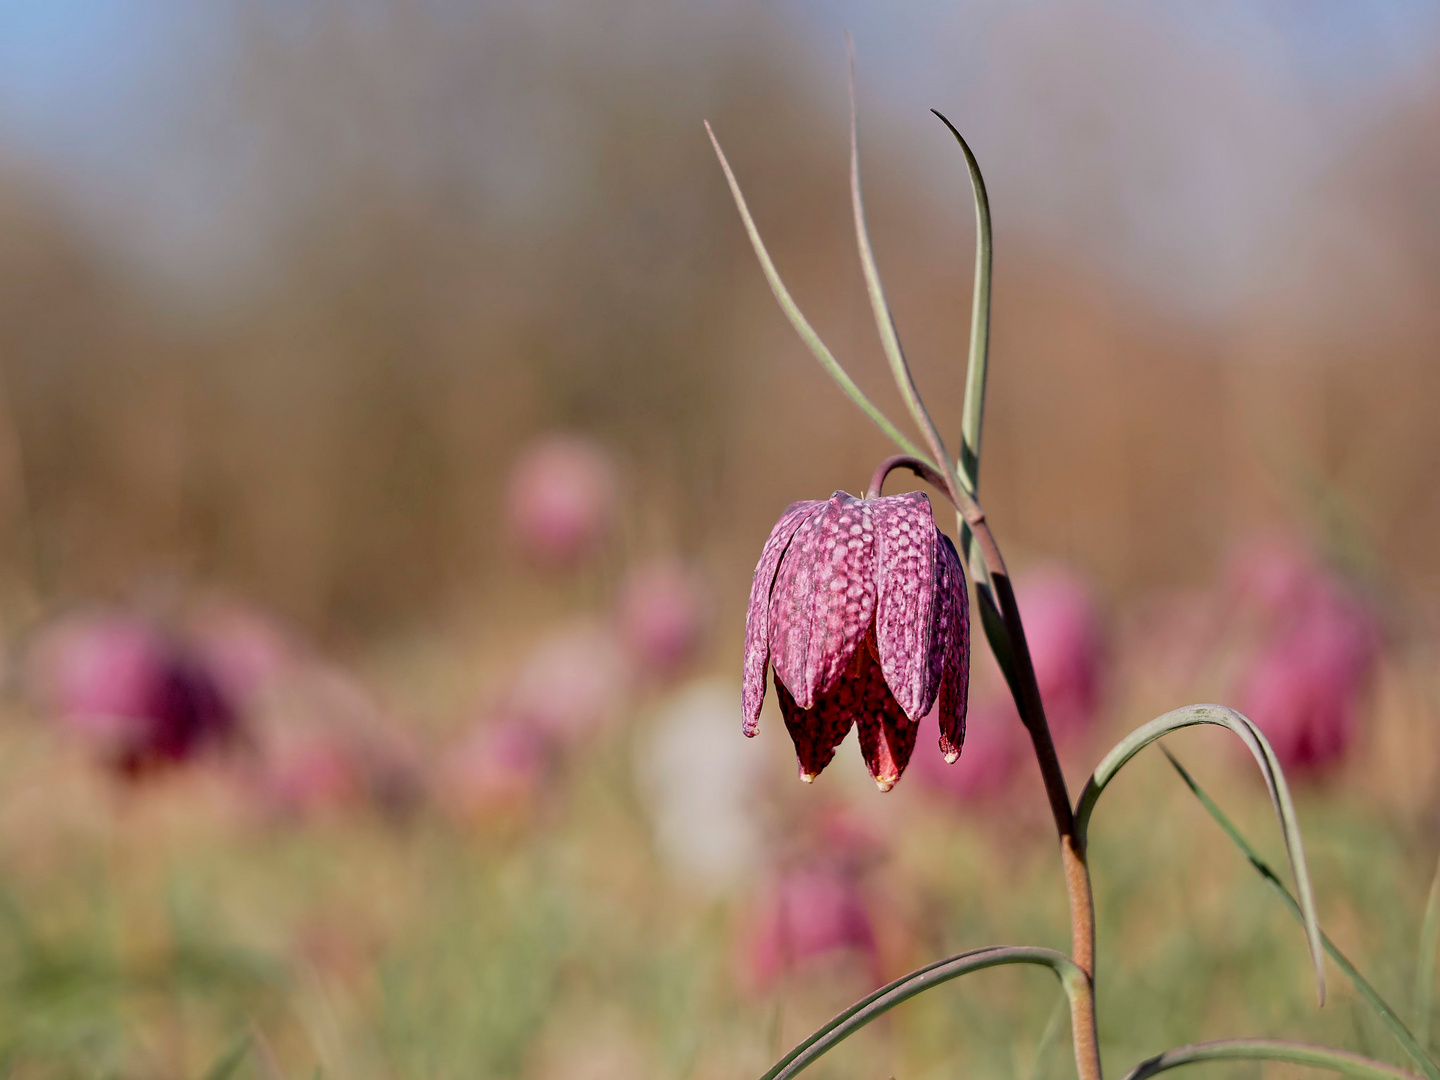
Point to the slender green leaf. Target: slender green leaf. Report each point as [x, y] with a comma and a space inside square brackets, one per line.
[802, 325]
[887, 997]
[973, 414]
[226, 1064]
[1048, 1038]
[1391, 1019]
[1259, 747]
[884, 321]
[1322, 1057]
[1425, 963]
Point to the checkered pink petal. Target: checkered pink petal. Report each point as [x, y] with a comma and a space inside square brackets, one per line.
[907, 601]
[953, 646]
[757, 618]
[823, 599]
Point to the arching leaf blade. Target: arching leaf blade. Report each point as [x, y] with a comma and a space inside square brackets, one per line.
[1274, 776]
[1322, 1057]
[1412, 1045]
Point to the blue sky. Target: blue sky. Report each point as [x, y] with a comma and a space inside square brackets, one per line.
[95, 96]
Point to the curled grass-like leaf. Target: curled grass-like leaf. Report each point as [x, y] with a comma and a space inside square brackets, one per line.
[841, 1027]
[802, 325]
[1412, 1045]
[973, 412]
[1322, 1057]
[1259, 747]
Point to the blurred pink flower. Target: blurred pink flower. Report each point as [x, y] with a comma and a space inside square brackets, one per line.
[1067, 646]
[809, 914]
[573, 681]
[664, 613]
[995, 746]
[1271, 576]
[561, 499]
[129, 688]
[1305, 687]
[499, 767]
[246, 652]
[315, 774]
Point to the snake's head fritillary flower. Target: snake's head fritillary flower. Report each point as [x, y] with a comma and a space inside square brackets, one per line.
[859, 606]
[561, 500]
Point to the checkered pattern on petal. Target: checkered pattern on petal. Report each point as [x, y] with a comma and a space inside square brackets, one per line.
[824, 598]
[953, 646]
[757, 617]
[907, 601]
[816, 732]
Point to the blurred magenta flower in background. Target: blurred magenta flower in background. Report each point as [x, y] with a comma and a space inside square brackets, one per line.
[133, 690]
[245, 650]
[573, 681]
[807, 915]
[500, 767]
[1067, 645]
[664, 614]
[995, 748]
[560, 503]
[1318, 645]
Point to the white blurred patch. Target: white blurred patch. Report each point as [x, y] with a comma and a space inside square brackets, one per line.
[700, 772]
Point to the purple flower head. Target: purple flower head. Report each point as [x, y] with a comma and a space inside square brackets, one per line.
[859, 606]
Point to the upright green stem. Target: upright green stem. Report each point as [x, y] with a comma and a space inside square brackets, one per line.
[1032, 713]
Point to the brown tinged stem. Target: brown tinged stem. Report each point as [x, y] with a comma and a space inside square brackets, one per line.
[1032, 714]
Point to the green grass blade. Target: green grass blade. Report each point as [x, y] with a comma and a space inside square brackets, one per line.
[1425, 963]
[884, 321]
[226, 1064]
[973, 413]
[1322, 1057]
[1259, 747]
[802, 325]
[1391, 1019]
[887, 997]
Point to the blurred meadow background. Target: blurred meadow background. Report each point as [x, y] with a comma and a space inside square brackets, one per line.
[392, 412]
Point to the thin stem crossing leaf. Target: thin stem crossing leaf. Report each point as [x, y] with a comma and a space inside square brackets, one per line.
[1259, 747]
[1391, 1019]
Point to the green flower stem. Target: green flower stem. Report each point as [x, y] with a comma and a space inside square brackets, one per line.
[1391, 1019]
[1322, 1057]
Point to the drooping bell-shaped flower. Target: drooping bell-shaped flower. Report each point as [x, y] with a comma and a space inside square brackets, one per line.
[859, 606]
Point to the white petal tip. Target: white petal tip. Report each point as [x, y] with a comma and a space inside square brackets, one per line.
[884, 785]
[952, 757]
[808, 778]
